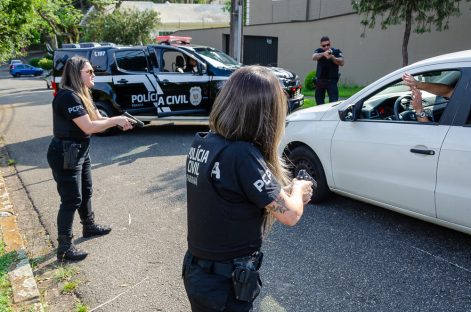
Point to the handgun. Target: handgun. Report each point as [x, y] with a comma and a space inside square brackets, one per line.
[303, 175]
[134, 120]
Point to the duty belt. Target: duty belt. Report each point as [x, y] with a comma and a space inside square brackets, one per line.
[225, 268]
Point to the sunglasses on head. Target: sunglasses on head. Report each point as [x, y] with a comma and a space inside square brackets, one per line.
[325, 45]
[89, 71]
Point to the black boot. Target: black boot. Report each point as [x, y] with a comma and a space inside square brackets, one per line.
[68, 251]
[90, 228]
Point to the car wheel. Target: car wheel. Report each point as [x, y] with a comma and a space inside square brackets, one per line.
[302, 157]
[106, 111]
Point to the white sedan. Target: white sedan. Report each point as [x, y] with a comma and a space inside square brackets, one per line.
[371, 147]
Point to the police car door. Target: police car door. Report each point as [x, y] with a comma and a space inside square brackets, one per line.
[136, 90]
[185, 92]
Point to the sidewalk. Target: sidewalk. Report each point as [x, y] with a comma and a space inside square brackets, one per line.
[25, 290]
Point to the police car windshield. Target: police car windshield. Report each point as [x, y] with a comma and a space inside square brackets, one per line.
[217, 58]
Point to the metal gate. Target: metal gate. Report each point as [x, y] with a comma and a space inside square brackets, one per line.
[259, 50]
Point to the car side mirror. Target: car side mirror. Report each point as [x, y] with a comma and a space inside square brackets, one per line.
[348, 114]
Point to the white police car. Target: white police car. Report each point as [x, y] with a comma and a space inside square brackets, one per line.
[370, 147]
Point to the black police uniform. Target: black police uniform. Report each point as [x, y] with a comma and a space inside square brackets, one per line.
[228, 186]
[68, 156]
[327, 77]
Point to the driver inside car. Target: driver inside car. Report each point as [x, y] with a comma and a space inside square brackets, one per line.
[439, 89]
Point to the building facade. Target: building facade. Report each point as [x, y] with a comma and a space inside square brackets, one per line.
[291, 29]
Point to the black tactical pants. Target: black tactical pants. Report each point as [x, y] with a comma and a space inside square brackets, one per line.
[329, 85]
[74, 185]
[209, 291]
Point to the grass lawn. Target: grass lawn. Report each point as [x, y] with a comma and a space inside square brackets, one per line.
[344, 92]
[6, 259]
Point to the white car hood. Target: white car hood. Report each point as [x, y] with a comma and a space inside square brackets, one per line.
[312, 113]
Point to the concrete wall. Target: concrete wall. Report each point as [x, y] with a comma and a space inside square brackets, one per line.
[366, 59]
[279, 11]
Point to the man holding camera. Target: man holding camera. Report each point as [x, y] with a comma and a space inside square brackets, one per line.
[327, 74]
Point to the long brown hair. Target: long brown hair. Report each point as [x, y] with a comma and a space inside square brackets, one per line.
[71, 79]
[252, 107]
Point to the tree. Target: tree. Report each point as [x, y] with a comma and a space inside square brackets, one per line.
[422, 13]
[121, 26]
[60, 19]
[18, 20]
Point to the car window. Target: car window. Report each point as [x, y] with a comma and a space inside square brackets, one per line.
[131, 60]
[393, 101]
[99, 60]
[217, 58]
[174, 61]
[61, 57]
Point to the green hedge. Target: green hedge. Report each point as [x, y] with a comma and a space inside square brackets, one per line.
[34, 61]
[45, 63]
[308, 81]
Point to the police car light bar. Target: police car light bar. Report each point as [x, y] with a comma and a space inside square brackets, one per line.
[173, 39]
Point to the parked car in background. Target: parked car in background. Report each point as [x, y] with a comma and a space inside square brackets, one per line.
[15, 62]
[371, 147]
[25, 70]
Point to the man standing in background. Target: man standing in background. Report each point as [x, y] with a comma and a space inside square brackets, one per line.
[327, 74]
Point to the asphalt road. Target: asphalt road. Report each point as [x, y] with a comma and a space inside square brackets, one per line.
[343, 256]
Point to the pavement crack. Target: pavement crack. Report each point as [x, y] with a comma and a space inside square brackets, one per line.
[442, 259]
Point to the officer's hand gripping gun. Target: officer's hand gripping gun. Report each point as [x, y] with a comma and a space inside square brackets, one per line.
[134, 120]
[303, 175]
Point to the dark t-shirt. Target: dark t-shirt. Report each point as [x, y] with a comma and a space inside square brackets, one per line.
[244, 175]
[228, 187]
[326, 69]
[66, 106]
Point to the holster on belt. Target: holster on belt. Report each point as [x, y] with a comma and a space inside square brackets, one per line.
[246, 278]
[70, 151]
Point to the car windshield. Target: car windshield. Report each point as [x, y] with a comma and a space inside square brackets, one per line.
[217, 58]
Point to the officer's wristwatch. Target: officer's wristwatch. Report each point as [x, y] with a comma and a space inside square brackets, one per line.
[422, 114]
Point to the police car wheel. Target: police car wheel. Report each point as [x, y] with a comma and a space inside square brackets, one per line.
[302, 157]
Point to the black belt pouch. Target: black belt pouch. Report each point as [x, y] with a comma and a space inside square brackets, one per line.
[71, 154]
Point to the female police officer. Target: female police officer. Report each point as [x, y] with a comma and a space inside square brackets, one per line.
[234, 192]
[75, 118]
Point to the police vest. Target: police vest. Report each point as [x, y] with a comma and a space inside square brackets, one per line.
[217, 229]
[326, 69]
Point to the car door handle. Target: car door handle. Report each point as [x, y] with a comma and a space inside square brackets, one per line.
[122, 81]
[421, 151]
[165, 80]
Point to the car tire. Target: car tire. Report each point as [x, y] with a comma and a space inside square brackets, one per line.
[106, 110]
[302, 157]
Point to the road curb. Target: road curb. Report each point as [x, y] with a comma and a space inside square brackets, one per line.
[25, 289]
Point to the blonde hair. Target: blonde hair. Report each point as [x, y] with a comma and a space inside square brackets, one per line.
[252, 107]
[72, 80]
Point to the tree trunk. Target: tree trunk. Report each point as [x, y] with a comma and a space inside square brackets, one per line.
[405, 41]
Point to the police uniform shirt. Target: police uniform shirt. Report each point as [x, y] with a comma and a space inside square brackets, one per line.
[326, 69]
[228, 187]
[246, 175]
[67, 106]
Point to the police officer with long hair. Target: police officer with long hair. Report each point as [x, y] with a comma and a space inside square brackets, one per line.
[75, 118]
[237, 186]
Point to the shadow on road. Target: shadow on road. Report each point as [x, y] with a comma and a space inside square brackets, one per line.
[122, 148]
